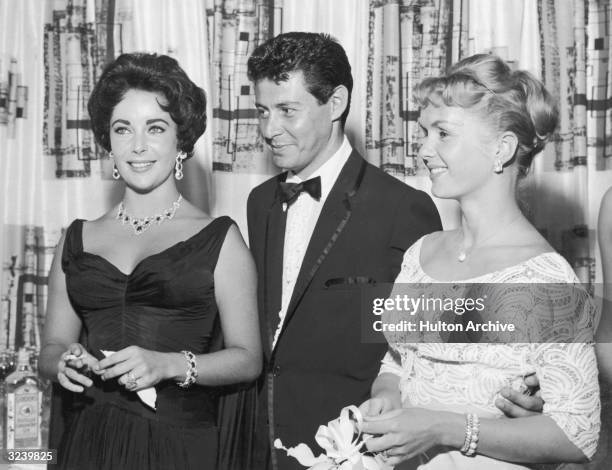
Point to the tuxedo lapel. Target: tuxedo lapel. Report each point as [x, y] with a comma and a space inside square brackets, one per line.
[273, 265]
[334, 216]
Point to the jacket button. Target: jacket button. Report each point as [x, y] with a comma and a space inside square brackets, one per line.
[276, 371]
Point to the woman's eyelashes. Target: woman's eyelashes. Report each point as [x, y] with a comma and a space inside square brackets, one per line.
[442, 133]
[120, 130]
[156, 129]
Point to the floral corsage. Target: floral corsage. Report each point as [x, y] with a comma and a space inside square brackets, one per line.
[344, 446]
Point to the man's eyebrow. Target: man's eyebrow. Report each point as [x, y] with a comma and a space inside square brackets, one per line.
[281, 104]
[287, 103]
[437, 122]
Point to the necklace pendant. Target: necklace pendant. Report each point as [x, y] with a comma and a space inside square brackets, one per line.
[140, 225]
[462, 256]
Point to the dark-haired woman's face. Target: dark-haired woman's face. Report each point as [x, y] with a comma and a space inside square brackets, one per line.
[143, 140]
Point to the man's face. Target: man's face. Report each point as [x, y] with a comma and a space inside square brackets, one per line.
[297, 130]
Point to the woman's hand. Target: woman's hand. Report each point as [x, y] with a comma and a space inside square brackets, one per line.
[73, 366]
[403, 433]
[378, 405]
[136, 368]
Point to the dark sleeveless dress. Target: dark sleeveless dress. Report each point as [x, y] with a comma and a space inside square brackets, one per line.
[166, 304]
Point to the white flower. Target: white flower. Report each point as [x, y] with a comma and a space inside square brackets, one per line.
[342, 441]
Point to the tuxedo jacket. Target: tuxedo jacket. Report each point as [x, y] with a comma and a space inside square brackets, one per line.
[319, 363]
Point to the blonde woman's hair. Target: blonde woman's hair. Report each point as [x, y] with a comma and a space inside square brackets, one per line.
[512, 101]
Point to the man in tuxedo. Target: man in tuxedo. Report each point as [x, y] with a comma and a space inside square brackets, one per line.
[326, 227]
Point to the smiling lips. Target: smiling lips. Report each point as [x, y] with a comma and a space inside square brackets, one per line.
[437, 170]
[141, 166]
[278, 146]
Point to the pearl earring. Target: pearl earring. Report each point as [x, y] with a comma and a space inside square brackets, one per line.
[498, 167]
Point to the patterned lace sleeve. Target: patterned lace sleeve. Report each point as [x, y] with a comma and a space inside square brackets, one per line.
[569, 388]
[410, 264]
[392, 363]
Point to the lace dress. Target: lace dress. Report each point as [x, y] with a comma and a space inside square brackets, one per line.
[467, 377]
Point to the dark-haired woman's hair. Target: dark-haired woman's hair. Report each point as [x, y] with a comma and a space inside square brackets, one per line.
[185, 101]
[320, 58]
[513, 101]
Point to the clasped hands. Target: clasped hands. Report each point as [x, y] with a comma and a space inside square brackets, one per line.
[402, 433]
[135, 368]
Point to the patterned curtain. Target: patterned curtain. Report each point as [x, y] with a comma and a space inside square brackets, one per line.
[26, 242]
[29, 251]
[408, 41]
[74, 52]
[235, 28]
[576, 67]
[234, 33]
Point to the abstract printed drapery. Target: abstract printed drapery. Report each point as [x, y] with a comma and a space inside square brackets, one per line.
[233, 34]
[574, 173]
[407, 41]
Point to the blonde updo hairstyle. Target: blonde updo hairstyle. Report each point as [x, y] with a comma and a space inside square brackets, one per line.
[512, 101]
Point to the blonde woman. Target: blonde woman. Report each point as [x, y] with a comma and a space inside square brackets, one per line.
[433, 404]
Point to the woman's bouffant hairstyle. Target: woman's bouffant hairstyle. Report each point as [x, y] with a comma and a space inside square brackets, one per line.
[513, 101]
[319, 57]
[186, 102]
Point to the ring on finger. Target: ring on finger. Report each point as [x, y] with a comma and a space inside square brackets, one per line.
[131, 380]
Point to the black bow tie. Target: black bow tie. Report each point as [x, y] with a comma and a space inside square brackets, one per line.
[288, 192]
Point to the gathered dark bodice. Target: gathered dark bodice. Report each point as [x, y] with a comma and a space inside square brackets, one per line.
[166, 304]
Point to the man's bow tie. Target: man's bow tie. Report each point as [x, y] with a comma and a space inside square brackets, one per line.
[288, 192]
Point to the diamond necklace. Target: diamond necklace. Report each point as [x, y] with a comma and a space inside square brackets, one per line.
[140, 225]
[463, 253]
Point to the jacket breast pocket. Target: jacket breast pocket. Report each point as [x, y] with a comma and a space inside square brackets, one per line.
[351, 282]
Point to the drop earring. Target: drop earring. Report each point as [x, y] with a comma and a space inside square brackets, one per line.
[498, 167]
[116, 174]
[178, 167]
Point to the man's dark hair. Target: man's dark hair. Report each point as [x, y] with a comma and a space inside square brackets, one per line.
[319, 57]
[186, 102]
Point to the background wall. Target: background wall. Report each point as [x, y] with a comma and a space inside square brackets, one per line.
[52, 51]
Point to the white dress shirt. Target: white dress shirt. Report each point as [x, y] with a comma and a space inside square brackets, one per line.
[302, 217]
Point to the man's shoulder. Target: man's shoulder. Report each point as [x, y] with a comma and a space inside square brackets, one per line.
[265, 190]
[393, 187]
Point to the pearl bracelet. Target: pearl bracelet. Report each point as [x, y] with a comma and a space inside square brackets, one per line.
[468, 433]
[472, 431]
[192, 371]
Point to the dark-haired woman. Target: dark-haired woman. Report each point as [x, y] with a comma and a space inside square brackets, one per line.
[433, 404]
[146, 285]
